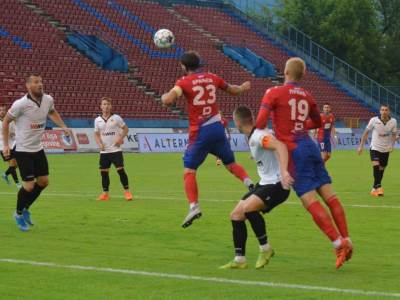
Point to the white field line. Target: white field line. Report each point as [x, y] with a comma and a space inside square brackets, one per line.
[183, 199]
[279, 285]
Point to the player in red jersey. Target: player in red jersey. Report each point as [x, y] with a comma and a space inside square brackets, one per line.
[206, 132]
[325, 132]
[294, 111]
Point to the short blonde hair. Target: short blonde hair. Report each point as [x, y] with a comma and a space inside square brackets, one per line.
[295, 67]
[107, 99]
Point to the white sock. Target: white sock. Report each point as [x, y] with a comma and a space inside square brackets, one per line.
[265, 248]
[194, 205]
[240, 259]
[337, 243]
[247, 182]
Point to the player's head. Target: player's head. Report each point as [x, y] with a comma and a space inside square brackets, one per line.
[384, 111]
[190, 61]
[295, 69]
[326, 108]
[105, 105]
[3, 111]
[34, 85]
[243, 118]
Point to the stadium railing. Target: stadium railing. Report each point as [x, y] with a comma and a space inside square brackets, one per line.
[323, 60]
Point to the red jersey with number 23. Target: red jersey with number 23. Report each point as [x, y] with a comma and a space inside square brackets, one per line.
[291, 108]
[200, 90]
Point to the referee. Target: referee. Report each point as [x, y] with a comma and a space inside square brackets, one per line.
[30, 114]
[384, 134]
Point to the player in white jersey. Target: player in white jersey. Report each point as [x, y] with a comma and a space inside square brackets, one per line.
[384, 134]
[30, 115]
[12, 163]
[271, 157]
[110, 131]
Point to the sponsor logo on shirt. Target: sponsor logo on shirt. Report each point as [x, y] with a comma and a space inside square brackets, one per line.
[108, 133]
[37, 126]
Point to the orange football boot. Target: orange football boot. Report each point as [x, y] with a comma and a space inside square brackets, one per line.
[104, 197]
[343, 253]
[128, 196]
[374, 193]
[380, 191]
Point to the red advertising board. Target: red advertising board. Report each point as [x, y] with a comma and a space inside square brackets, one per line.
[56, 139]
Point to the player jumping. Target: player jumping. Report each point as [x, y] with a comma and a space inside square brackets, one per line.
[30, 115]
[110, 131]
[12, 163]
[206, 132]
[325, 132]
[294, 112]
[384, 135]
[271, 157]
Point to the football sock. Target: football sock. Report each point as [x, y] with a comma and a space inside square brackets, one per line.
[123, 177]
[338, 215]
[239, 233]
[258, 224]
[191, 190]
[377, 181]
[239, 172]
[12, 170]
[22, 200]
[37, 189]
[105, 180]
[380, 176]
[323, 220]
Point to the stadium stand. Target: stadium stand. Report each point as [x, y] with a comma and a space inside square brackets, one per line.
[77, 83]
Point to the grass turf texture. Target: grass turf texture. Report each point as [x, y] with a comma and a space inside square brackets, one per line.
[145, 234]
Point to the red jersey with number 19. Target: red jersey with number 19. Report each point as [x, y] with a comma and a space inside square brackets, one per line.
[291, 108]
[200, 91]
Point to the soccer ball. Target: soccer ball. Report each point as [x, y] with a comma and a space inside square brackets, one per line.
[164, 38]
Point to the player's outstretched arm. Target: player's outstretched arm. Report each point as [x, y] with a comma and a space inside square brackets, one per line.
[269, 142]
[56, 118]
[362, 142]
[238, 89]
[172, 96]
[6, 133]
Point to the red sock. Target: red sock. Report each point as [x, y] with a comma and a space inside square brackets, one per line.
[338, 215]
[323, 220]
[238, 171]
[191, 187]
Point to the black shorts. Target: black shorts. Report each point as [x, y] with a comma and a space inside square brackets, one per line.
[271, 194]
[115, 158]
[32, 164]
[381, 157]
[12, 155]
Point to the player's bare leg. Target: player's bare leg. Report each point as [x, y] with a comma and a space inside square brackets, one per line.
[192, 195]
[239, 233]
[252, 207]
[324, 221]
[338, 214]
[241, 174]
[125, 184]
[105, 182]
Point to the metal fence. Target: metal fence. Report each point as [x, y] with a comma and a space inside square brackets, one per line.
[317, 56]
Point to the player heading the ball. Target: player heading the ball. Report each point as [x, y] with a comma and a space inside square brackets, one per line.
[206, 132]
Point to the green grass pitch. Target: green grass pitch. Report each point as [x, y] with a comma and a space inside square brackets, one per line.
[145, 235]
